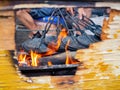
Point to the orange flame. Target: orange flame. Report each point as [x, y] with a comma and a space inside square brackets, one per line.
[22, 59]
[34, 58]
[49, 63]
[54, 46]
[68, 59]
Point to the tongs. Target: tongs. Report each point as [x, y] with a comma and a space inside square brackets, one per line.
[89, 24]
[85, 22]
[73, 21]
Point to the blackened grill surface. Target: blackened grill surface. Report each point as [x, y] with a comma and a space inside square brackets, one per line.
[46, 67]
[49, 70]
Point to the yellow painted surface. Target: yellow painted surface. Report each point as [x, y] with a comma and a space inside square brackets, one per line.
[10, 80]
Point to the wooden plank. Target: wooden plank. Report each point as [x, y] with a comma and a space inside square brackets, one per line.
[16, 4]
[7, 28]
[9, 5]
[7, 45]
[6, 13]
[84, 79]
[113, 5]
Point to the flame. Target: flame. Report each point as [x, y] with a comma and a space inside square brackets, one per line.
[54, 46]
[68, 59]
[34, 58]
[49, 63]
[30, 60]
[22, 59]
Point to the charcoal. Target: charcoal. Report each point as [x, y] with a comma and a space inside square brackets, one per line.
[76, 42]
[38, 45]
[43, 43]
[57, 58]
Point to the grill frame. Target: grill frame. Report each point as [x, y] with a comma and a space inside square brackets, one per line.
[54, 70]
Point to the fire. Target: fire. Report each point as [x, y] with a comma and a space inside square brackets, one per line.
[54, 46]
[68, 57]
[32, 58]
[67, 53]
[22, 59]
[49, 63]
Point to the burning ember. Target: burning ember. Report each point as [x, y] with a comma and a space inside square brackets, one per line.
[55, 46]
[34, 58]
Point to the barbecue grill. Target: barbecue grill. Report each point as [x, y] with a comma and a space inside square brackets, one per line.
[9, 42]
[72, 24]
